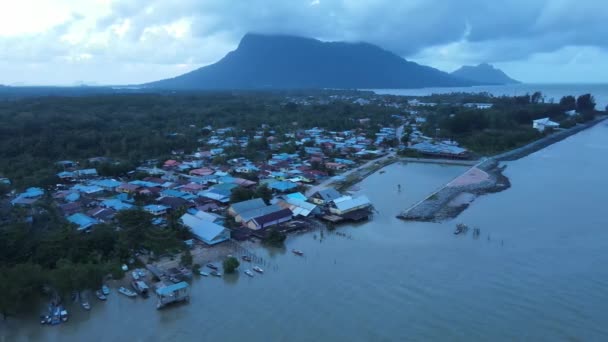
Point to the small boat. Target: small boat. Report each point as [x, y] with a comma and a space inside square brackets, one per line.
[141, 287]
[105, 290]
[85, 305]
[204, 274]
[249, 273]
[45, 319]
[135, 275]
[125, 291]
[297, 252]
[258, 269]
[246, 258]
[212, 266]
[100, 295]
[216, 274]
[64, 315]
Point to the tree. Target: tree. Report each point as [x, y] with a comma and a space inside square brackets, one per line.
[134, 223]
[567, 103]
[585, 103]
[231, 264]
[264, 192]
[242, 194]
[536, 97]
[275, 238]
[18, 286]
[186, 259]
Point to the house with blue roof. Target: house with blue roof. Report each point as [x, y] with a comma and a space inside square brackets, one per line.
[179, 194]
[226, 179]
[106, 184]
[216, 195]
[204, 230]
[156, 209]
[66, 175]
[116, 204]
[125, 198]
[283, 186]
[28, 197]
[295, 196]
[86, 173]
[87, 189]
[82, 221]
[73, 197]
[344, 161]
[143, 184]
[225, 186]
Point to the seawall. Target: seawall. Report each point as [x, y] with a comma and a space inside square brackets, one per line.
[546, 141]
[449, 201]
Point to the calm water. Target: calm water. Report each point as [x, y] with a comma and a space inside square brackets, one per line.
[551, 91]
[538, 272]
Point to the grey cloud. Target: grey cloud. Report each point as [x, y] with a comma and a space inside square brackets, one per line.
[405, 27]
[483, 30]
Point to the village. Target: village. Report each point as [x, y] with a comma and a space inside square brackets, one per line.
[221, 198]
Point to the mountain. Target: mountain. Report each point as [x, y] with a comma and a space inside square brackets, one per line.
[279, 62]
[484, 73]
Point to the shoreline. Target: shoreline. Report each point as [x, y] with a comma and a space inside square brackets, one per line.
[443, 204]
[449, 201]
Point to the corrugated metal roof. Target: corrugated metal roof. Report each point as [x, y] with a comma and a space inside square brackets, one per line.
[168, 290]
[205, 230]
[254, 213]
[348, 203]
[251, 204]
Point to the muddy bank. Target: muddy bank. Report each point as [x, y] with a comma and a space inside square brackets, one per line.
[456, 196]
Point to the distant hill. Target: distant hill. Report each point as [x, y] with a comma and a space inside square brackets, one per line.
[484, 73]
[279, 62]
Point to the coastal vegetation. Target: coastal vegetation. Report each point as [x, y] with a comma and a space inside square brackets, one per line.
[42, 255]
[230, 264]
[131, 128]
[504, 126]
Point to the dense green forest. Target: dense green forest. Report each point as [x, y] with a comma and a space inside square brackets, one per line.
[507, 125]
[39, 249]
[37, 132]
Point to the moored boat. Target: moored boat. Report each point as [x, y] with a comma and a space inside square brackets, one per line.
[105, 290]
[204, 274]
[249, 273]
[125, 291]
[140, 287]
[135, 275]
[85, 304]
[246, 258]
[100, 295]
[64, 315]
[216, 274]
[258, 269]
[297, 252]
[212, 266]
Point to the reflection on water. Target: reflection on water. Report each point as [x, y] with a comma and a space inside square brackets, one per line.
[537, 271]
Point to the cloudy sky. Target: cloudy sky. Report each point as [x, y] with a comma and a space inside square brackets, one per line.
[134, 41]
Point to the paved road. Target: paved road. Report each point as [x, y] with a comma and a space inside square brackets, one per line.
[324, 184]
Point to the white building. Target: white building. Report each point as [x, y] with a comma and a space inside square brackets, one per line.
[544, 123]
